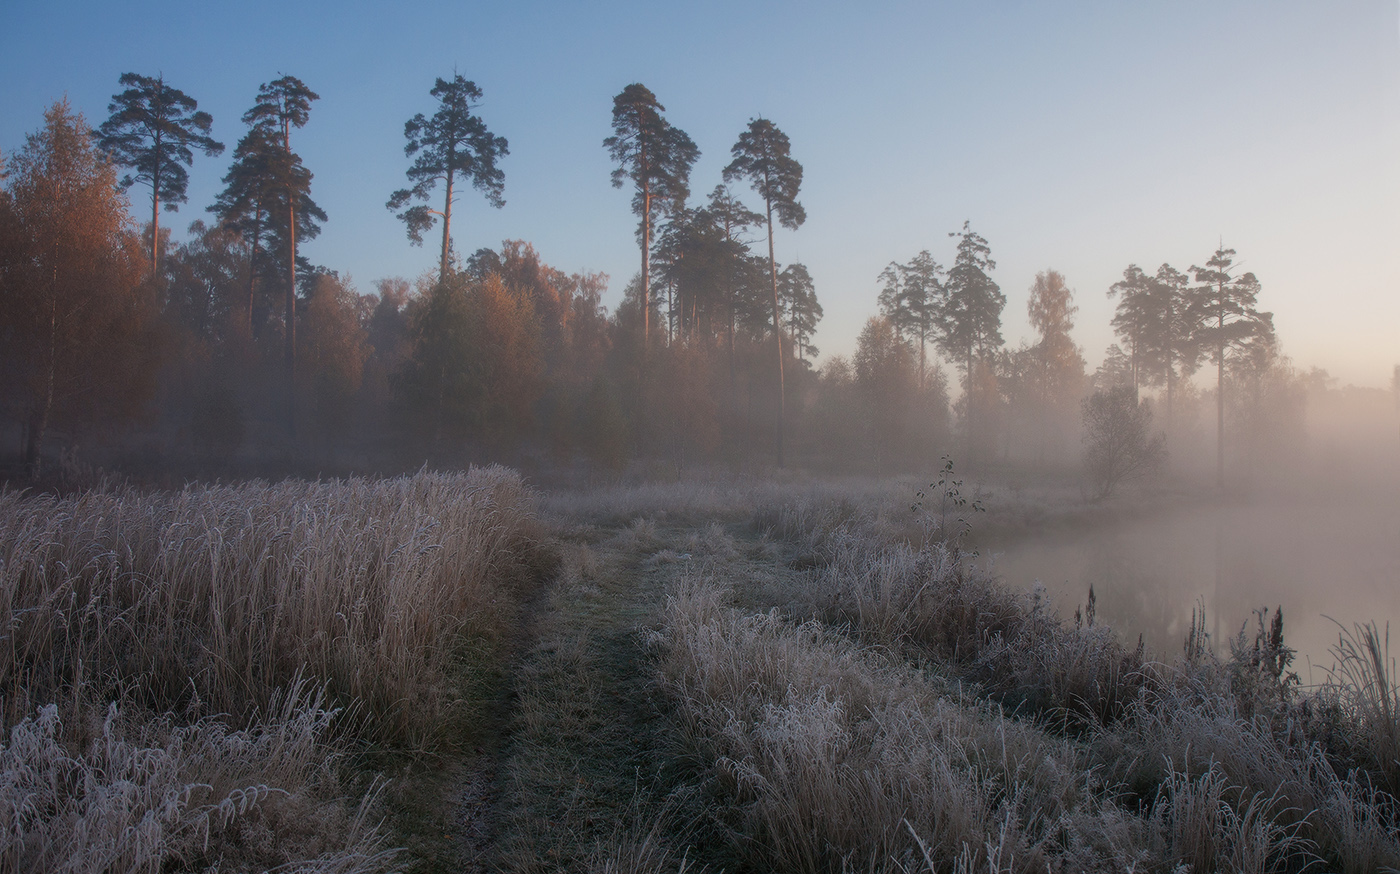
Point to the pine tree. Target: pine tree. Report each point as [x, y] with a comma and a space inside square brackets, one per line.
[733, 219]
[969, 321]
[1134, 320]
[1226, 319]
[453, 143]
[657, 158]
[1175, 338]
[911, 300]
[799, 299]
[762, 155]
[154, 129]
[283, 104]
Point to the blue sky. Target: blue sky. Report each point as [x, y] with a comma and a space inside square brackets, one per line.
[1075, 136]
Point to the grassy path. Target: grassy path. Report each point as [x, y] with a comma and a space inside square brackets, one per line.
[592, 777]
[580, 779]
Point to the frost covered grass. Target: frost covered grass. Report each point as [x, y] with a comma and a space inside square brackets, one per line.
[179, 669]
[223, 594]
[896, 710]
[147, 794]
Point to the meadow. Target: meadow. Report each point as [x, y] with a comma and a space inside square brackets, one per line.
[454, 672]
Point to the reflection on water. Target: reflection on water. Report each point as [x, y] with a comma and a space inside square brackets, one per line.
[1338, 560]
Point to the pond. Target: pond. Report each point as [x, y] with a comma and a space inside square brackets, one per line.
[1316, 560]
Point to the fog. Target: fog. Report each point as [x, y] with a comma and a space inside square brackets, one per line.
[1314, 530]
[1333, 558]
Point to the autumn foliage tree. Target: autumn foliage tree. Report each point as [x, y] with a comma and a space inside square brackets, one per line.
[474, 374]
[334, 347]
[79, 325]
[1057, 371]
[886, 379]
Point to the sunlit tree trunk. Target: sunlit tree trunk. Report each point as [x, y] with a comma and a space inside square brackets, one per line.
[446, 228]
[1220, 398]
[253, 276]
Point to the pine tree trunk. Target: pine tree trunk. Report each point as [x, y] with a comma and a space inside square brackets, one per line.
[1171, 374]
[923, 355]
[253, 279]
[155, 234]
[291, 337]
[1220, 416]
[777, 334]
[970, 403]
[646, 265]
[155, 213]
[446, 228]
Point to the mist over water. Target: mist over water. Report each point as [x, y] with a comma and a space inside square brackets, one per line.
[1316, 558]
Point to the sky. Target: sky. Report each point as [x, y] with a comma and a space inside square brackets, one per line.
[1075, 136]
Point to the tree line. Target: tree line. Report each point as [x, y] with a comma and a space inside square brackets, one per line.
[233, 345]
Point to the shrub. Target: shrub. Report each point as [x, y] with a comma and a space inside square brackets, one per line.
[1118, 441]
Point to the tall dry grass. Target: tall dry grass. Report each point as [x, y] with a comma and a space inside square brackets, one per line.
[837, 756]
[1367, 692]
[177, 670]
[933, 602]
[221, 595]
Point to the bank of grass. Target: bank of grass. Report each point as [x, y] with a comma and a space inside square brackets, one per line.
[181, 671]
[889, 708]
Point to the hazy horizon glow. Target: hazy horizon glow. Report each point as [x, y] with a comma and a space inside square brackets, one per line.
[1081, 138]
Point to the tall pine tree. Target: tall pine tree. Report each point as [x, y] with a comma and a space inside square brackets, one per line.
[656, 157]
[283, 104]
[154, 129]
[452, 144]
[763, 156]
[1226, 319]
[969, 322]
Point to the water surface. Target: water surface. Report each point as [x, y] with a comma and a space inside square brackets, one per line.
[1334, 559]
